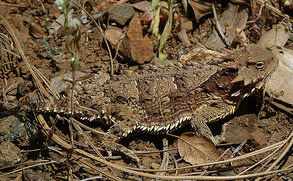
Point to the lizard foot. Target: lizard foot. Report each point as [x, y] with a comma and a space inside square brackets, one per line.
[110, 144]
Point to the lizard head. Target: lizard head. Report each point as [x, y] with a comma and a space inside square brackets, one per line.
[254, 64]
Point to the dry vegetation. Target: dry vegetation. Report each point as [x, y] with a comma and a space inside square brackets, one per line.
[39, 42]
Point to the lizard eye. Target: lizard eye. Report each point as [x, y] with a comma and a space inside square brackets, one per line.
[259, 65]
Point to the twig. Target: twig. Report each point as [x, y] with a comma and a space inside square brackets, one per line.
[175, 163]
[270, 155]
[80, 131]
[25, 168]
[150, 152]
[88, 128]
[30, 67]
[258, 15]
[238, 148]
[248, 155]
[283, 153]
[219, 26]
[275, 10]
[165, 160]
[130, 170]
[13, 5]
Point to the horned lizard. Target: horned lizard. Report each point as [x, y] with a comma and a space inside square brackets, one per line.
[159, 100]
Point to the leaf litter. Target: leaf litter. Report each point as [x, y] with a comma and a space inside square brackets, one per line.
[196, 149]
[95, 59]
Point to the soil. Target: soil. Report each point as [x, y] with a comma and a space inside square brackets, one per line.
[256, 123]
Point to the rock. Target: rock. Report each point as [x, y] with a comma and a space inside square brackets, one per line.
[238, 129]
[136, 47]
[12, 129]
[120, 13]
[60, 82]
[32, 176]
[9, 154]
[235, 134]
[161, 63]
[259, 137]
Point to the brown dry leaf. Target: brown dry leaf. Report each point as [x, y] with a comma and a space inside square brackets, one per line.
[280, 84]
[114, 35]
[143, 6]
[184, 38]
[181, 30]
[289, 5]
[136, 47]
[201, 8]
[196, 149]
[277, 36]
[36, 30]
[233, 20]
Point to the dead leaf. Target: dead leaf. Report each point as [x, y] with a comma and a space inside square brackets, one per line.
[184, 38]
[36, 30]
[278, 36]
[142, 6]
[233, 19]
[202, 55]
[196, 149]
[136, 47]
[280, 84]
[56, 25]
[114, 35]
[201, 8]
[60, 84]
[181, 30]
[289, 5]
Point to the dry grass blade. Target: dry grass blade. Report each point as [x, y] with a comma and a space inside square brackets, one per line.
[78, 128]
[288, 148]
[13, 5]
[67, 146]
[36, 75]
[77, 152]
[25, 168]
[7, 53]
[272, 155]
[273, 9]
[245, 156]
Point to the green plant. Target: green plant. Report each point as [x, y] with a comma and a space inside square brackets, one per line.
[156, 22]
[73, 36]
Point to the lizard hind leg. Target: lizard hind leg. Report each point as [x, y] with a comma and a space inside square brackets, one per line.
[126, 122]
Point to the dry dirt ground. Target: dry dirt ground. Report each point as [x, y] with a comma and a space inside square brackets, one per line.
[27, 153]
